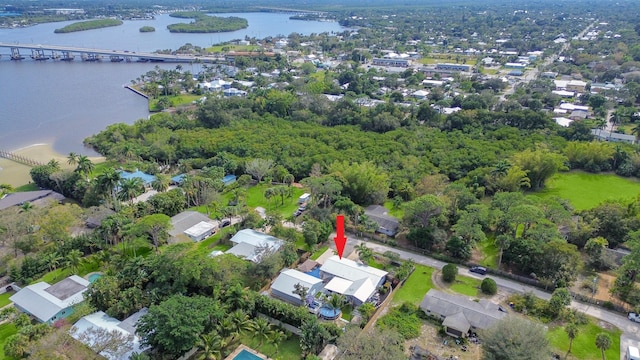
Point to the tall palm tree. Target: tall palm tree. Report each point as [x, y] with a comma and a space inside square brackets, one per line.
[161, 183]
[603, 342]
[72, 158]
[336, 301]
[261, 329]
[572, 331]
[130, 188]
[85, 166]
[54, 164]
[107, 183]
[52, 260]
[73, 259]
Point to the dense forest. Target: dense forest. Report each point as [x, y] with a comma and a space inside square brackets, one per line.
[206, 24]
[88, 25]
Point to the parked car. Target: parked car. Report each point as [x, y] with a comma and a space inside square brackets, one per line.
[633, 317]
[225, 223]
[478, 270]
[297, 213]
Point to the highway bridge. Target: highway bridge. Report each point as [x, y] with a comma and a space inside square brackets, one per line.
[69, 53]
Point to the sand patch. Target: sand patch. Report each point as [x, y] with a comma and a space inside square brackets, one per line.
[16, 174]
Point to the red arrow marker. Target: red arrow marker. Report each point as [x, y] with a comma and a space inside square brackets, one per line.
[340, 240]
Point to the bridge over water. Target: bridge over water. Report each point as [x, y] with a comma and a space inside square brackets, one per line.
[69, 53]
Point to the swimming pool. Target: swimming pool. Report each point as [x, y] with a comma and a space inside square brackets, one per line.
[94, 277]
[315, 272]
[329, 313]
[245, 355]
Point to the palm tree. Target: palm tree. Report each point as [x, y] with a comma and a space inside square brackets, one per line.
[73, 259]
[240, 320]
[636, 131]
[276, 338]
[107, 183]
[210, 346]
[54, 164]
[572, 331]
[72, 158]
[138, 356]
[261, 329]
[364, 253]
[336, 301]
[129, 189]
[85, 166]
[52, 260]
[161, 183]
[603, 342]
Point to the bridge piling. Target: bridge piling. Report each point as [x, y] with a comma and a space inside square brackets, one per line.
[19, 158]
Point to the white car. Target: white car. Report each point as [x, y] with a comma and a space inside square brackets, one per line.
[634, 317]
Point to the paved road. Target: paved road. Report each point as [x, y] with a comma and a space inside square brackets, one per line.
[631, 330]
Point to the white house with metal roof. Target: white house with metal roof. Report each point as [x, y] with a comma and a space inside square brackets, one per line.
[100, 320]
[192, 224]
[253, 245]
[285, 284]
[49, 303]
[355, 280]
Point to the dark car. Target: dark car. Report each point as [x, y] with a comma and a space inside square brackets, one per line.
[297, 213]
[478, 270]
[225, 223]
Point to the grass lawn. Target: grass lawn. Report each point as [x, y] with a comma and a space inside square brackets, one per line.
[6, 330]
[4, 298]
[395, 212]
[466, 286]
[101, 167]
[225, 48]
[176, 100]
[584, 345]
[490, 252]
[347, 312]
[585, 190]
[287, 350]
[319, 252]
[27, 187]
[375, 264]
[255, 197]
[416, 286]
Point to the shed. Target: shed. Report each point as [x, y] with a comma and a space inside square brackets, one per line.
[304, 198]
[201, 231]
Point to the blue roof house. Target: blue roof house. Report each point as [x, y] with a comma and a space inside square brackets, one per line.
[146, 178]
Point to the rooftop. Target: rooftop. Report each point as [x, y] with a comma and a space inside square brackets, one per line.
[351, 270]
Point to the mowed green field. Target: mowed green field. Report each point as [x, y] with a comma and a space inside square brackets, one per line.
[586, 190]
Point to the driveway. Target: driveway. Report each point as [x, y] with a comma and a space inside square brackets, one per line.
[631, 330]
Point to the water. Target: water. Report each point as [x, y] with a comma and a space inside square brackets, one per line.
[62, 103]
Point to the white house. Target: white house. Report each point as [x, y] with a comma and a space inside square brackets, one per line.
[100, 320]
[192, 225]
[253, 245]
[355, 280]
[49, 303]
[284, 285]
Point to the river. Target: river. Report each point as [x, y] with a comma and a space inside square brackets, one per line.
[61, 103]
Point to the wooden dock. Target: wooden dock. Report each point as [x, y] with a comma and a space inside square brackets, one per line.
[19, 158]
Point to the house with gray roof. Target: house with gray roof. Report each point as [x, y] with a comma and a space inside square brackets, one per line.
[39, 197]
[459, 314]
[387, 224]
[49, 303]
[253, 245]
[285, 284]
[604, 135]
[192, 225]
[99, 320]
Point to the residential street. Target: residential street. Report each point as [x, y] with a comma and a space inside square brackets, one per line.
[631, 330]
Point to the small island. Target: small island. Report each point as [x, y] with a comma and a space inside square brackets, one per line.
[206, 24]
[88, 25]
[145, 29]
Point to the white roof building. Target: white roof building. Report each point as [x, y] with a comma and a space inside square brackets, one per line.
[284, 285]
[100, 320]
[49, 303]
[360, 289]
[253, 245]
[573, 107]
[562, 121]
[351, 270]
[201, 230]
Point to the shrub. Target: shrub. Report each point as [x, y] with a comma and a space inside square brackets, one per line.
[489, 286]
[608, 305]
[449, 273]
[404, 319]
